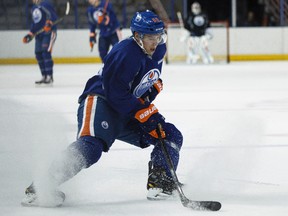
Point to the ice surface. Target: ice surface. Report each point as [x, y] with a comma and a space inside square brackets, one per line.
[234, 119]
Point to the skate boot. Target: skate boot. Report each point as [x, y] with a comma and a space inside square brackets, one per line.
[51, 199]
[48, 79]
[159, 185]
[40, 81]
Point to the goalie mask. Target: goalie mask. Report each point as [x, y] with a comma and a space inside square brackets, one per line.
[196, 8]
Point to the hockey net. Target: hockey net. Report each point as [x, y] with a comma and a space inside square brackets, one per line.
[177, 43]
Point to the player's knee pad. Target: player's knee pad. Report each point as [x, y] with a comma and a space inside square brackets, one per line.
[90, 148]
[173, 142]
[47, 55]
[39, 57]
[173, 136]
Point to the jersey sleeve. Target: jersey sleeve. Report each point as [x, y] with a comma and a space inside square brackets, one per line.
[41, 13]
[121, 69]
[91, 22]
[38, 19]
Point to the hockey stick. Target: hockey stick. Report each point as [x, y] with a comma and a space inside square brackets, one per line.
[58, 20]
[179, 15]
[195, 205]
[184, 33]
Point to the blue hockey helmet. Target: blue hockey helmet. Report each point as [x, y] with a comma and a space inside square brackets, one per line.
[147, 22]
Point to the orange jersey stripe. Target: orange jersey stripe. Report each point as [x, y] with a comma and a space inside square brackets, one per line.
[52, 41]
[88, 117]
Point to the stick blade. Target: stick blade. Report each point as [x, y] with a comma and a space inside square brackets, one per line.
[202, 205]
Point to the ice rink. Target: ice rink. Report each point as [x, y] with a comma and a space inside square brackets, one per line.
[234, 119]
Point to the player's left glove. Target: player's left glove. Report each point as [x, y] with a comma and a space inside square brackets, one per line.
[92, 39]
[29, 37]
[149, 119]
[151, 94]
[48, 26]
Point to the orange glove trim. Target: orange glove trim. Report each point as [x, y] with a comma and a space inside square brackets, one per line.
[91, 45]
[155, 135]
[144, 114]
[158, 85]
[48, 26]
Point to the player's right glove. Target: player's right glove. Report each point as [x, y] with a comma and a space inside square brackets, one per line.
[48, 26]
[29, 37]
[149, 119]
[151, 94]
[92, 39]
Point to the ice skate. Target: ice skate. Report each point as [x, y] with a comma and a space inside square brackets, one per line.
[50, 200]
[47, 80]
[38, 82]
[159, 185]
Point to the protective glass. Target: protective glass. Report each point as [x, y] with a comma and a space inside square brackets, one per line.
[155, 38]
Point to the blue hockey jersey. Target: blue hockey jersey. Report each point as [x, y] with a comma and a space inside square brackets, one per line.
[40, 13]
[110, 22]
[126, 75]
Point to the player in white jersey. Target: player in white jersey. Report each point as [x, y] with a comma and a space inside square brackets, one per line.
[197, 23]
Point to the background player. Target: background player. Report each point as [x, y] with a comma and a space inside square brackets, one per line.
[43, 16]
[117, 104]
[197, 23]
[101, 15]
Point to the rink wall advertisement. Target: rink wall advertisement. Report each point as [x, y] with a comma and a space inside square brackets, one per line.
[237, 44]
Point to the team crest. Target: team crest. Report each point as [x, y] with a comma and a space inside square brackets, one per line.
[37, 15]
[105, 124]
[147, 81]
[199, 20]
[138, 18]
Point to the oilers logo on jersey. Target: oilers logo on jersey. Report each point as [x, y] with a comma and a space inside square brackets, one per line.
[147, 81]
[37, 15]
[199, 20]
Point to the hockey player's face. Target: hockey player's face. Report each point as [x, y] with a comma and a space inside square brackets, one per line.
[94, 2]
[36, 1]
[150, 42]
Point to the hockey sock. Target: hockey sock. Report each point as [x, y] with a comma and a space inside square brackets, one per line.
[40, 61]
[79, 155]
[48, 63]
[173, 142]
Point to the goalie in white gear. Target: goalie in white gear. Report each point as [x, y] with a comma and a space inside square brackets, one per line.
[197, 23]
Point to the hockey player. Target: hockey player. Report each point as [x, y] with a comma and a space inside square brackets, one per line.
[197, 23]
[102, 16]
[117, 104]
[43, 16]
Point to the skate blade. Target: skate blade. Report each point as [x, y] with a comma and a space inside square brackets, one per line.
[155, 194]
[43, 85]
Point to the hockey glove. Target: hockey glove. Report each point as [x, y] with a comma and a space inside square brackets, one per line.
[149, 119]
[48, 26]
[29, 37]
[102, 18]
[151, 94]
[92, 39]
[208, 36]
